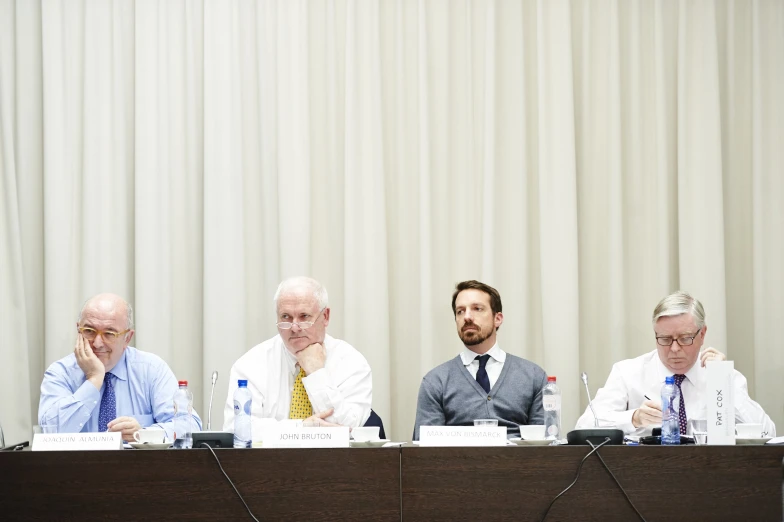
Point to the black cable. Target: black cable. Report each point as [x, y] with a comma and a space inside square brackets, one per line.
[230, 482]
[577, 476]
[619, 484]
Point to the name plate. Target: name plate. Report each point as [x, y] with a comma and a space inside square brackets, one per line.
[720, 400]
[462, 436]
[77, 441]
[295, 437]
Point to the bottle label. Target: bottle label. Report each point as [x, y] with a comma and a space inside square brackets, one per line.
[242, 407]
[551, 402]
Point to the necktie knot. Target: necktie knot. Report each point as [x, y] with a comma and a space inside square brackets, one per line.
[679, 379]
[483, 360]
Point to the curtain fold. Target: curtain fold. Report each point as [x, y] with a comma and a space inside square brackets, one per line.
[586, 158]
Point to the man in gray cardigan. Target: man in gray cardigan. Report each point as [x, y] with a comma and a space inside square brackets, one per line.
[483, 382]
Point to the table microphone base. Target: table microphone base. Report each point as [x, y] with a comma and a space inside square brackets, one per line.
[595, 435]
[214, 439]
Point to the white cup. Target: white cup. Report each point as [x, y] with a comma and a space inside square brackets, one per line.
[365, 433]
[748, 431]
[532, 432]
[150, 436]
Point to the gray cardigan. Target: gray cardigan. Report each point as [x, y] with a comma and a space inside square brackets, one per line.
[450, 396]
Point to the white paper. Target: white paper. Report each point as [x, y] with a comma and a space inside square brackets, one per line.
[720, 402]
[462, 436]
[77, 441]
[287, 436]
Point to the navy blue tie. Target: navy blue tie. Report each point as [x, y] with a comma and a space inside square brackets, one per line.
[481, 374]
[108, 411]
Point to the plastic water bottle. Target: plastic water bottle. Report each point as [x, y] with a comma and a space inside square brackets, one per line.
[242, 403]
[551, 401]
[670, 401]
[183, 415]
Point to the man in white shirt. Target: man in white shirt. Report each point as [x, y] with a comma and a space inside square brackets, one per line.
[336, 378]
[679, 327]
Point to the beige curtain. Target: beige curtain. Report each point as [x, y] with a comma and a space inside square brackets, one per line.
[585, 157]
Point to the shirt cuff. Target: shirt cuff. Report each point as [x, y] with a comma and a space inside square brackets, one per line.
[88, 395]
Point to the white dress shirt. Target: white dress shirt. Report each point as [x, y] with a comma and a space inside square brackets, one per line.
[632, 379]
[344, 384]
[494, 364]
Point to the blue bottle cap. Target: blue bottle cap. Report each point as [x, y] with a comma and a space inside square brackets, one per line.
[669, 380]
[243, 383]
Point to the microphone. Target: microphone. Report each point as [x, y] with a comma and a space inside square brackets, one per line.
[595, 435]
[213, 439]
[584, 378]
[212, 392]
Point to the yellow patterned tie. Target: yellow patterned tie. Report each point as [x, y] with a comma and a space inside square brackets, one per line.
[301, 408]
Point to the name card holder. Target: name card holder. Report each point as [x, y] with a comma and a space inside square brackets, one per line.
[720, 400]
[296, 437]
[77, 441]
[462, 436]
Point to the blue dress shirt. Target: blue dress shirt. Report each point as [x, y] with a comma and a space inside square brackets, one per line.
[144, 387]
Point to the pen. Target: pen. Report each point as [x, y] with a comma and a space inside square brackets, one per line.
[647, 397]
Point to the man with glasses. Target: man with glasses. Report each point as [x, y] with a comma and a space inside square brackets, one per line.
[679, 329]
[303, 373]
[106, 385]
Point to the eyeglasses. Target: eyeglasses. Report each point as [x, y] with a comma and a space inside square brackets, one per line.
[686, 340]
[108, 337]
[304, 325]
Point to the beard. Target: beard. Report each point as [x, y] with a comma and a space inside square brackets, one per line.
[473, 337]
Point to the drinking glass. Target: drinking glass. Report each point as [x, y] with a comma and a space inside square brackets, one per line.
[485, 422]
[698, 428]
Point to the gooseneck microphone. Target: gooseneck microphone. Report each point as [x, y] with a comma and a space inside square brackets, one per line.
[595, 435]
[213, 439]
[212, 392]
[584, 378]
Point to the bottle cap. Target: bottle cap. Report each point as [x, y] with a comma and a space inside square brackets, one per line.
[551, 378]
[669, 380]
[182, 383]
[242, 383]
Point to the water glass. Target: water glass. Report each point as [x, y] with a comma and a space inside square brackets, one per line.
[698, 429]
[485, 422]
[50, 426]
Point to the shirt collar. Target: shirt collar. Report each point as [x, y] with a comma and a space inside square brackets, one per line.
[495, 353]
[693, 375]
[120, 370]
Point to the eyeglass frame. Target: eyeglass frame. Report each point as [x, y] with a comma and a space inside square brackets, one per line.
[115, 335]
[309, 323]
[677, 339]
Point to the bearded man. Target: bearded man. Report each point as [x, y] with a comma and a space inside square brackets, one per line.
[483, 382]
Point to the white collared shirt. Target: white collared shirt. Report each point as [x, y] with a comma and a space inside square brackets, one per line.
[632, 379]
[493, 367]
[344, 384]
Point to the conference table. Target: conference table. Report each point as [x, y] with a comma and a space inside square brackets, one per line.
[410, 483]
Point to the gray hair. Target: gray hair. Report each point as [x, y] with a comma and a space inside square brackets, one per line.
[678, 303]
[303, 283]
[128, 309]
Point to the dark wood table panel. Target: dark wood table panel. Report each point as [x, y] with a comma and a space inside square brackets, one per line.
[665, 483]
[307, 484]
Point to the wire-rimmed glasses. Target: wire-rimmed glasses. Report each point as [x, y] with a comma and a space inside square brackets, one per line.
[304, 325]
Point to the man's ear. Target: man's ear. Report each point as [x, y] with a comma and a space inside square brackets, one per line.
[499, 319]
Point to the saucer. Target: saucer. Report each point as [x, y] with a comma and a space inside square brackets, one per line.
[369, 443]
[530, 442]
[751, 442]
[142, 446]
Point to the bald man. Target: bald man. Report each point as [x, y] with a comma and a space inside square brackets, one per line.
[106, 385]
